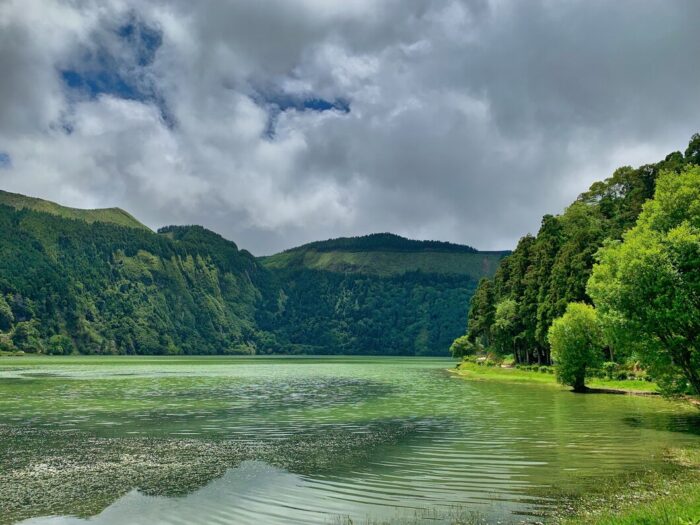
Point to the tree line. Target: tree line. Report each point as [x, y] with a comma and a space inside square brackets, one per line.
[615, 278]
[67, 286]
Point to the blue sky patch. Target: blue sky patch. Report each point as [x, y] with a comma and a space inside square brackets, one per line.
[279, 103]
[122, 75]
[5, 160]
[143, 39]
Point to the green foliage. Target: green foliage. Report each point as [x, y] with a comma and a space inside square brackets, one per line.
[60, 344]
[112, 289]
[386, 255]
[6, 315]
[504, 325]
[326, 312]
[463, 346]
[549, 271]
[609, 369]
[482, 313]
[186, 290]
[6, 344]
[379, 294]
[577, 344]
[107, 215]
[647, 287]
[383, 242]
[26, 338]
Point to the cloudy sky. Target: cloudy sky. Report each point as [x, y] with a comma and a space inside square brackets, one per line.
[277, 122]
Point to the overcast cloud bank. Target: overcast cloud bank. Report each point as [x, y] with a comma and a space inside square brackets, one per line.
[277, 123]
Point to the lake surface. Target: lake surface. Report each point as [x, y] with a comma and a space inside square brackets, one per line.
[305, 440]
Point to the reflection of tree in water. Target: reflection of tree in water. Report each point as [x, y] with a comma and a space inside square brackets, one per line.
[684, 423]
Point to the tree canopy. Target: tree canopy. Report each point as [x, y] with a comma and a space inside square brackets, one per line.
[647, 287]
[548, 271]
[577, 344]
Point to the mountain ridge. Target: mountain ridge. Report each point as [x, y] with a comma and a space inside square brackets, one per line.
[93, 282]
[387, 254]
[107, 215]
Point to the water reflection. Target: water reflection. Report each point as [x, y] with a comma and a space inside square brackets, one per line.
[476, 445]
[255, 493]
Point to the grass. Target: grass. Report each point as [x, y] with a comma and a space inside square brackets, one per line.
[481, 372]
[681, 506]
[387, 263]
[109, 215]
[652, 498]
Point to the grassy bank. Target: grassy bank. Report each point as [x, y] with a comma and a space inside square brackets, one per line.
[495, 373]
[671, 497]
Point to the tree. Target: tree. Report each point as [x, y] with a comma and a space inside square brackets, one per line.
[647, 287]
[692, 153]
[576, 339]
[463, 346]
[482, 313]
[60, 344]
[26, 337]
[504, 326]
[6, 316]
[6, 343]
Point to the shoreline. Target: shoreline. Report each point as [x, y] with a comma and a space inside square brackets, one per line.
[668, 496]
[514, 375]
[476, 372]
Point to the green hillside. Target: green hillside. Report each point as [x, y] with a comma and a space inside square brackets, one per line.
[377, 294]
[100, 288]
[387, 255]
[107, 215]
[97, 281]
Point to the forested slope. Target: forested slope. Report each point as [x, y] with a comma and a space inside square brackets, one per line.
[97, 281]
[108, 215]
[69, 285]
[380, 294]
[512, 313]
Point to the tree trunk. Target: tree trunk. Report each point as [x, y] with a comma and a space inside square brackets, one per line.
[580, 383]
[692, 374]
[693, 378]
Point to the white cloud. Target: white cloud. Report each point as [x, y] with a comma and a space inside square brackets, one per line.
[468, 119]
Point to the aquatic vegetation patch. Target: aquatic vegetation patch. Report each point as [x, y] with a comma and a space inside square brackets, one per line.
[48, 472]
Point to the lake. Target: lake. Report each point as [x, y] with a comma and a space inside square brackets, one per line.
[306, 440]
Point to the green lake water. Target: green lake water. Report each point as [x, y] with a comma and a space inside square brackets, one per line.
[306, 440]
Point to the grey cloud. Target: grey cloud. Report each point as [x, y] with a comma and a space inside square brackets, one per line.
[468, 120]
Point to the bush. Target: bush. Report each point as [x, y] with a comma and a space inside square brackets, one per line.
[60, 345]
[26, 338]
[6, 343]
[463, 347]
[609, 369]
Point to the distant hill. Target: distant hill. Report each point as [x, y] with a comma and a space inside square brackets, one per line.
[386, 254]
[70, 285]
[388, 242]
[106, 215]
[377, 294]
[99, 281]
